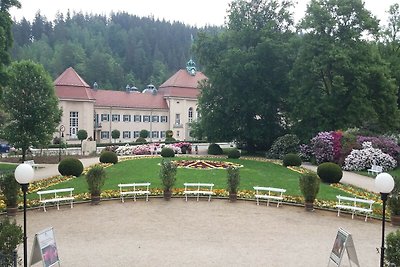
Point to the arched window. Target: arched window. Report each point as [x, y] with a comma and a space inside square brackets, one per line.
[190, 114]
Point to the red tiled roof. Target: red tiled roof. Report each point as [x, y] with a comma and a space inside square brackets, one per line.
[71, 78]
[182, 84]
[183, 79]
[124, 99]
[74, 92]
[69, 85]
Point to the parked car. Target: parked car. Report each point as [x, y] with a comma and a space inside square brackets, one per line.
[4, 148]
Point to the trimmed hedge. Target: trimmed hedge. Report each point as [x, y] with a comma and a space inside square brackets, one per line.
[329, 172]
[233, 153]
[167, 152]
[214, 149]
[291, 160]
[108, 157]
[70, 166]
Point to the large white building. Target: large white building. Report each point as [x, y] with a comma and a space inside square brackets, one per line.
[172, 107]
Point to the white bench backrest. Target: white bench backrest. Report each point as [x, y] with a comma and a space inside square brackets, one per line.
[134, 185]
[271, 189]
[53, 191]
[355, 200]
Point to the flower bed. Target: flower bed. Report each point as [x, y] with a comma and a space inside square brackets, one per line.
[205, 164]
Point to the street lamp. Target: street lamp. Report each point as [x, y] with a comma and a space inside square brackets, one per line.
[384, 183]
[24, 174]
[62, 129]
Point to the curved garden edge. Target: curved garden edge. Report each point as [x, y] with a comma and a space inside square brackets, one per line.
[247, 195]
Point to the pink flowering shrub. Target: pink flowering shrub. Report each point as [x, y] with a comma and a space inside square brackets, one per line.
[322, 145]
[336, 145]
[361, 159]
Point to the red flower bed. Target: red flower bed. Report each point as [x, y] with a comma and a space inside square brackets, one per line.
[204, 164]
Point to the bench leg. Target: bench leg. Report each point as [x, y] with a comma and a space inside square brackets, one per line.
[44, 207]
[72, 204]
[352, 214]
[198, 195]
[209, 198]
[338, 212]
[257, 201]
[186, 197]
[147, 197]
[58, 205]
[122, 199]
[278, 204]
[134, 197]
[268, 202]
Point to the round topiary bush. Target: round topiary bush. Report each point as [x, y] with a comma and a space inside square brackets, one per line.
[291, 160]
[70, 166]
[233, 153]
[329, 172]
[214, 149]
[108, 157]
[167, 152]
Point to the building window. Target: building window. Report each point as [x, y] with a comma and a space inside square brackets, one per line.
[73, 124]
[105, 117]
[136, 134]
[105, 135]
[190, 114]
[116, 117]
[127, 118]
[177, 118]
[177, 133]
[137, 118]
[154, 134]
[126, 134]
[164, 118]
[162, 134]
[146, 118]
[155, 118]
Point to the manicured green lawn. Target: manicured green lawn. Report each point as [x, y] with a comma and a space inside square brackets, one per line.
[253, 173]
[5, 167]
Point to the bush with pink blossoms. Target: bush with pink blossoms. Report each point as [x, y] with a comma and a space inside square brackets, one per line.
[322, 145]
[361, 159]
[386, 144]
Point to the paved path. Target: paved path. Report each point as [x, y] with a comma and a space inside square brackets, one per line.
[365, 182]
[216, 233]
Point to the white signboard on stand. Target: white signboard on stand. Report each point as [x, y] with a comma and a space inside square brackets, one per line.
[45, 249]
[343, 242]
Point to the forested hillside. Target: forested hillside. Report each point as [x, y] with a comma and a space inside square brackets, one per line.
[113, 50]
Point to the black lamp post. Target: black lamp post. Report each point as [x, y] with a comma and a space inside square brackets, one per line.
[24, 174]
[62, 129]
[384, 183]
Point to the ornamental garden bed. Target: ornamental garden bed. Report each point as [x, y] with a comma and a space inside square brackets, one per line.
[253, 172]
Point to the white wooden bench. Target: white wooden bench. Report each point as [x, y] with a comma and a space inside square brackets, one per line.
[355, 205]
[134, 189]
[32, 163]
[271, 193]
[198, 189]
[375, 170]
[57, 195]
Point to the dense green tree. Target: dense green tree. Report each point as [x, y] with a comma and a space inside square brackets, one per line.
[247, 66]
[30, 100]
[6, 40]
[109, 50]
[339, 79]
[390, 47]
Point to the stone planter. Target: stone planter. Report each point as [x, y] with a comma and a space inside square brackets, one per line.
[95, 199]
[12, 211]
[167, 195]
[232, 197]
[309, 206]
[395, 219]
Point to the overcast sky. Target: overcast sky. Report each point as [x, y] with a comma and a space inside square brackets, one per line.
[196, 13]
